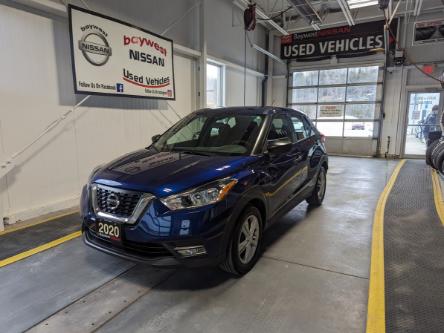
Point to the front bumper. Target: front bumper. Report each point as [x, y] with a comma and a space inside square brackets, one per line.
[137, 245]
[159, 234]
[158, 253]
[124, 253]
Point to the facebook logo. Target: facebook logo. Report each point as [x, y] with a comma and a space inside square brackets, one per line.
[119, 87]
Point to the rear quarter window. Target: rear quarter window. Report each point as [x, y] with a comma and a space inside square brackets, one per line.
[311, 127]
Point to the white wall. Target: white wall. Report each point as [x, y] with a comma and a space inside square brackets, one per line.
[225, 34]
[235, 88]
[279, 91]
[36, 88]
[225, 41]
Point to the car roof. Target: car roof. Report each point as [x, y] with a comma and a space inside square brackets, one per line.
[265, 110]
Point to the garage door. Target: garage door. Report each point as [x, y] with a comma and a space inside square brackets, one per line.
[344, 103]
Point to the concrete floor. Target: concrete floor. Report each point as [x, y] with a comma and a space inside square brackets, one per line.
[313, 277]
[415, 146]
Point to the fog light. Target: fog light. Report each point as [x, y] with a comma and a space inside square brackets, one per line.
[191, 251]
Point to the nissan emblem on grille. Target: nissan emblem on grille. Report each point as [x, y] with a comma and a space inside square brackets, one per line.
[112, 201]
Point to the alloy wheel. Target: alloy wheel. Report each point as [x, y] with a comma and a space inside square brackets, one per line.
[248, 239]
[321, 184]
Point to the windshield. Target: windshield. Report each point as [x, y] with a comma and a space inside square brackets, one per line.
[218, 134]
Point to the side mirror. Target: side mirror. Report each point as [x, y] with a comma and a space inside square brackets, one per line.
[279, 146]
[155, 138]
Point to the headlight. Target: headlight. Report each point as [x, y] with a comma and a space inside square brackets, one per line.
[200, 196]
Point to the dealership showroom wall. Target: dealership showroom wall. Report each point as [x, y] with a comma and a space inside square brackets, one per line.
[329, 218]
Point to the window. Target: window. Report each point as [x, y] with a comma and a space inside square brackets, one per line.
[308, 78]
[306, 95]
[308, 109]
[219, 134]
[300, 130]
[362, 93]
[278, 128]
[342, 102]
[187, 133]
[215, 85]
[331, 94]
[333, 76]
[363, 74]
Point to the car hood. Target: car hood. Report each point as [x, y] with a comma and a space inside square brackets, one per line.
[167, 173]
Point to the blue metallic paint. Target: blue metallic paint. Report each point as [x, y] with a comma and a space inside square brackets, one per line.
[167, 173]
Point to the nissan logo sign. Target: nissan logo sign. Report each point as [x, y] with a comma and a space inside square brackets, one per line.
[95, 48]
[112, 201]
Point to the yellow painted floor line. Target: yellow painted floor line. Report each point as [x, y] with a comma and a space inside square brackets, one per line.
[376, 292]
[24, 226]
[437, 194]
[39, 249]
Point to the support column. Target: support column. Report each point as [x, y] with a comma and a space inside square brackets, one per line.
[269, 90]
[202, 63]
[3, 188]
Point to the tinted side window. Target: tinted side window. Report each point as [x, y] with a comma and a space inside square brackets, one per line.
[311, 127]
[301, 131]
[279, 128]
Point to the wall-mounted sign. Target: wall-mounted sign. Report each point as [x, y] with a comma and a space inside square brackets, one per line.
[428, 32]
[330, 111]
[111, 57]
[346, 41]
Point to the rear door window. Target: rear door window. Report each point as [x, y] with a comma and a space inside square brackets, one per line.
[300, 129]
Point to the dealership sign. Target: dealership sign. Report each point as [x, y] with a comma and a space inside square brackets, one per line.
[330, 111]
[345, 41]
[111, 57]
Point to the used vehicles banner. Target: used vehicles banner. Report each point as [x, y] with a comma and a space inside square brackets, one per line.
[111, 57]
[345, 41]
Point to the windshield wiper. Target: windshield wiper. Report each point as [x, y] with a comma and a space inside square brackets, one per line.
[194, 152]
[154, 147]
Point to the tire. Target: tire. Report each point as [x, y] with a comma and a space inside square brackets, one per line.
[439, 159]
[241, 262]
[318, 194]
[438, 149]
[429, 151]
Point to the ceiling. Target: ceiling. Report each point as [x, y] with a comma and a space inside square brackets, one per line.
[305, 15]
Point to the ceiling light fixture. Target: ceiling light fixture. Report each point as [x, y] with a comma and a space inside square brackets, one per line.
[352, 4]
[315, 25]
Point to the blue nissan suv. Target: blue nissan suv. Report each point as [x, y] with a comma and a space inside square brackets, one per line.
[203, 192]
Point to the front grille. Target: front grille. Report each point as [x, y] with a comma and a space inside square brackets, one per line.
[145, 250]
[127, 201]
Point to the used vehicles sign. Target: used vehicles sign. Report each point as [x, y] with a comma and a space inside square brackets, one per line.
[111, 57]
[358, 40]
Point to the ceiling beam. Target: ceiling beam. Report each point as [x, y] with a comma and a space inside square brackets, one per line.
[418, 7]
[346, 12]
